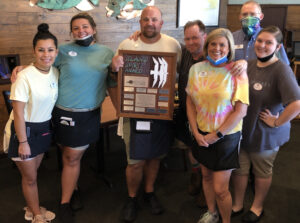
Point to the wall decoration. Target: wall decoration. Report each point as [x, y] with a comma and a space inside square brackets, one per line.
[126, 9]
[82, 5]
[207, 11]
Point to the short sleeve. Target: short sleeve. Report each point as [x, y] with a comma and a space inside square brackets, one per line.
[241, 89]
[179, 53]
[288, 86]
[20, 89]
[189, 85]
[111, 78]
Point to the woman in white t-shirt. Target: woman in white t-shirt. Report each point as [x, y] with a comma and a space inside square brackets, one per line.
[27, 133]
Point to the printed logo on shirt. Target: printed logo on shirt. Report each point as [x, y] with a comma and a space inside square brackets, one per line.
[72, 53]
[53, 85]
[202, 74]
[257, 86]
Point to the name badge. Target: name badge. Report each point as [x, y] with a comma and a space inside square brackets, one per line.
[143, 126]
[202, 74]
[53, 85]
[240, 46]
[257, 86]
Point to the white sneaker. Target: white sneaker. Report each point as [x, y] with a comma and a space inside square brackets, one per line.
[47, 215]
[208, 217]
[39, 219]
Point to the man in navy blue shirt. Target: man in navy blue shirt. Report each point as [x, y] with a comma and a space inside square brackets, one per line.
[244, 39]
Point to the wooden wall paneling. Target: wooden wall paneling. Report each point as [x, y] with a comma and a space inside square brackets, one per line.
[8, 17]
[233, 21]
[223, 13]
[292, 19]
[17, 6]
[269, 19]
[14, 50]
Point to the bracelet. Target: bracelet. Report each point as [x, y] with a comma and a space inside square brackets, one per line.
[275, 126]
[23, 141]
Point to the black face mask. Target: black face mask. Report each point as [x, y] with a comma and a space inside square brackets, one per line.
[85, 42]
[267, 58]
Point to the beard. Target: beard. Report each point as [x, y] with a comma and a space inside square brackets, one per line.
[150, 32]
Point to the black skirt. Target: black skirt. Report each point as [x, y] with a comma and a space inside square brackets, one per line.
[75, 129]
[39, 138]
[222, 155]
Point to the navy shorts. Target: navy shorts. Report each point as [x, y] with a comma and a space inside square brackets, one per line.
[222, 155]
[75, 129]
[39, 138]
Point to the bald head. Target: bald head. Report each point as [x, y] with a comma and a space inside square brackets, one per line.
[251, 8]
[151, 8]
[151, 23]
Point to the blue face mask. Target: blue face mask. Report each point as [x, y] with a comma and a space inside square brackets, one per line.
[217, 62]
[250, 25]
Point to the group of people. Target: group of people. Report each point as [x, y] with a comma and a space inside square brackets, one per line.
[221, 101]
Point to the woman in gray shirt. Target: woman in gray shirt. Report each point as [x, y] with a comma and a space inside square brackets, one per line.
[274, 101]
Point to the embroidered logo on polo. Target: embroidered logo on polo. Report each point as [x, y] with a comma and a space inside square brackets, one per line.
[257, 86]
[72, 53]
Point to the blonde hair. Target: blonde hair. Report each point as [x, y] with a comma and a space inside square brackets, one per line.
[220, 32]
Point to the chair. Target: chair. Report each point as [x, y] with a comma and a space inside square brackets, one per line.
[8, 105]
[7, 101]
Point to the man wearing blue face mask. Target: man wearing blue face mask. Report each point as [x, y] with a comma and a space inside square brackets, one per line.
[244, 39]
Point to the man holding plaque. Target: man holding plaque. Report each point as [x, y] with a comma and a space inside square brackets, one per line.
[147, 140]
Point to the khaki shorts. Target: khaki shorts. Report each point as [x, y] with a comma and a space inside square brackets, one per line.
[262, 163]
[126, 137]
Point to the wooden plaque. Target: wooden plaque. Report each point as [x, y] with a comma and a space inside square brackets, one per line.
[146, 85]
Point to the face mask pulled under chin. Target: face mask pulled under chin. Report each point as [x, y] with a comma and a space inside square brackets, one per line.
[250, 25]
[267, 58]
[86, 41]
[217, 62]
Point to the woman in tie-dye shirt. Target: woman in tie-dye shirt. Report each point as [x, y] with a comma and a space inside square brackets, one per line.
[216, 104]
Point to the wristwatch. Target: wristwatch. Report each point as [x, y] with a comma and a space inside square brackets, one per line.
[220, 135]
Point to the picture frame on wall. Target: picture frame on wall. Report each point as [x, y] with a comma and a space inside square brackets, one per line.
[207, 11]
